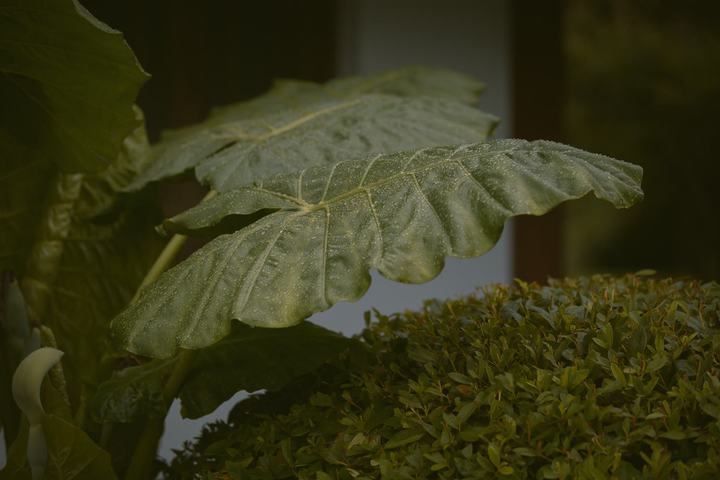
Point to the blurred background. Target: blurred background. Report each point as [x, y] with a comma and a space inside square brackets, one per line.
[639, 81]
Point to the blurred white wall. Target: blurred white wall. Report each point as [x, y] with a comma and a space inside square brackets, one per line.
[467, 35]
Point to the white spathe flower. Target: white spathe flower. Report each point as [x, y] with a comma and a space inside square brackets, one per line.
[26, 387]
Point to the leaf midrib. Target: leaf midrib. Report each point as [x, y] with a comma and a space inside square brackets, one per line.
[362, 188]
[297, 123]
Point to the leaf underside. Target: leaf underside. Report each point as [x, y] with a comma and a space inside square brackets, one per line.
[323, 131]
[400, 213]
[248, 359]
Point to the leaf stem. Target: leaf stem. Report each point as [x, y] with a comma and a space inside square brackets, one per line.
[147, 445]
[162, 262]
[167, 256]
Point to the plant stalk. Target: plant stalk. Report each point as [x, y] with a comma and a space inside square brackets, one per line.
[162, 262]
[147, 445]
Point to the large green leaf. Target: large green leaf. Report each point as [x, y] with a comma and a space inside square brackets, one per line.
[401, 213]
[247, 359]
[67, 85]
[67, 88]
[232, 154]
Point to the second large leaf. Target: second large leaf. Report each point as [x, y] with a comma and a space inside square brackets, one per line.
[401, 213]
[231, 154]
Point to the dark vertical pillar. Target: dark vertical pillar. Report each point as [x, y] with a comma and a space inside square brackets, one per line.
[538, 97]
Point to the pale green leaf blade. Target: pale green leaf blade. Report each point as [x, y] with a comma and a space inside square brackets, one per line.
[248, 359]
[400, 213]
[67, 84]
[233, 154]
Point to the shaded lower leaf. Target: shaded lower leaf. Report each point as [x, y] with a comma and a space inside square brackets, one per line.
[248, 359]
[132, 394]
[399, 213]
[256, 358]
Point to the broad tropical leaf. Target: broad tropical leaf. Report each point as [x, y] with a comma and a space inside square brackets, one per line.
[401, 213]
[247, 359]
[67, 88]
[233, 154]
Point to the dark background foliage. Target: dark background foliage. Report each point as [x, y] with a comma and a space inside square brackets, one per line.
[635, 80]
[643, 86]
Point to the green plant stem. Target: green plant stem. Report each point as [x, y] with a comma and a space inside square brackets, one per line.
[147, 445]
[162, 262]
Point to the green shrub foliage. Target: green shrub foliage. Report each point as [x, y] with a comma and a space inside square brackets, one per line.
[583, 378]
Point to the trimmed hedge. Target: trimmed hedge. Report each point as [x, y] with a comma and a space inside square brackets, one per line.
[591, 378]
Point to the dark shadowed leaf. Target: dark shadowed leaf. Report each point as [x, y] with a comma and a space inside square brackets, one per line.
[80, 255]
[67, 85]
[248, 359]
